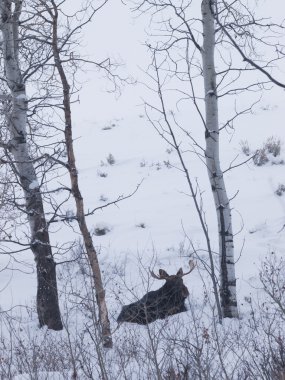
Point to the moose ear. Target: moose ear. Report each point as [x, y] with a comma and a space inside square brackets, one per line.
[163, 274]
[185, 292]
[179, 273]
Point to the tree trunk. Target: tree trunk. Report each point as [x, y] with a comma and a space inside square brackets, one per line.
[47, 297]
[226, 245]
[89, 246]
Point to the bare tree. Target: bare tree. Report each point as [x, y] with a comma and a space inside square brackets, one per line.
[212, 154]
[249, 34]
[89, 246]
[18, 153]
[47, 39]
[193, 54]
[165, 126]
[59, 38]
[187, 43]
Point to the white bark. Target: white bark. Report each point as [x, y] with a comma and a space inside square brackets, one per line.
[226, 245]
[47, 298]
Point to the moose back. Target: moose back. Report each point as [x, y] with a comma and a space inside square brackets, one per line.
[158, 304]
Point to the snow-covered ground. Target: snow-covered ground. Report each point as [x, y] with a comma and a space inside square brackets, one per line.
[154, 226]
[117, 150]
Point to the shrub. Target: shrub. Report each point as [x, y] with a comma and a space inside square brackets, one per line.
[103, 198]
[102, 174]
[245, 147]
[110, 159]
[271, 147]
[101, 229]
[280, 190]
[141, 225]
[260, 158]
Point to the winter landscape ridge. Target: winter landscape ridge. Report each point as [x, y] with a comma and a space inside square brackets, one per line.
[118, 153]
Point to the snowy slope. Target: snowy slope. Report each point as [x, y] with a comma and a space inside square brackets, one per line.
[152, 228]
[158, 220]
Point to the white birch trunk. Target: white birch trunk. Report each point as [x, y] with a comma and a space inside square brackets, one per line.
[47, 297]
[226, 245]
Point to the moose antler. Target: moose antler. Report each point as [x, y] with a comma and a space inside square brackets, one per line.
[192, 265]
[164, 275]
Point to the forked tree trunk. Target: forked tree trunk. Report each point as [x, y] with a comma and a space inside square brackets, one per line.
[226, 245]
[89, 246]
[47, 296]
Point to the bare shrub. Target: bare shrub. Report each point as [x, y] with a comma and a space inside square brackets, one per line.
[25, 351]
[102, 174]
[272, 277]
[103, 198]
[188, 346]
[265, 348]
[109, 126]
[264, 356]
[245, 147]
[280, 190]
[141, 225]
[271, 147]
[101, 230]
[260, 158]
[143, 163]
[110, 159]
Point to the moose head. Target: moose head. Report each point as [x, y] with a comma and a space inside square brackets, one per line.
[160, 303]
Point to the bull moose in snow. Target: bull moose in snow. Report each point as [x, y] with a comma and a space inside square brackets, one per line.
[160, 303]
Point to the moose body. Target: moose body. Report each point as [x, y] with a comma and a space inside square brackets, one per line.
[158, 304]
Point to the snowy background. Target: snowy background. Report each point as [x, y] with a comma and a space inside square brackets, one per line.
[155, 225]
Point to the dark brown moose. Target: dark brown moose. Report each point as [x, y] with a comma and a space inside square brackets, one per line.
[160, 303]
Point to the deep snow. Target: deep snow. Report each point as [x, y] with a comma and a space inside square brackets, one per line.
[153, 227]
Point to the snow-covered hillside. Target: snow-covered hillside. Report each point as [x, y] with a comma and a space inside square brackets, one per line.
[120, 155]
[153, 227]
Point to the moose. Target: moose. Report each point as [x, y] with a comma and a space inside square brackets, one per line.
[161, 303]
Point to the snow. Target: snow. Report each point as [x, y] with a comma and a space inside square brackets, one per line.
[21, 97]
[148, 229]
[157, 226]
[33, 185]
